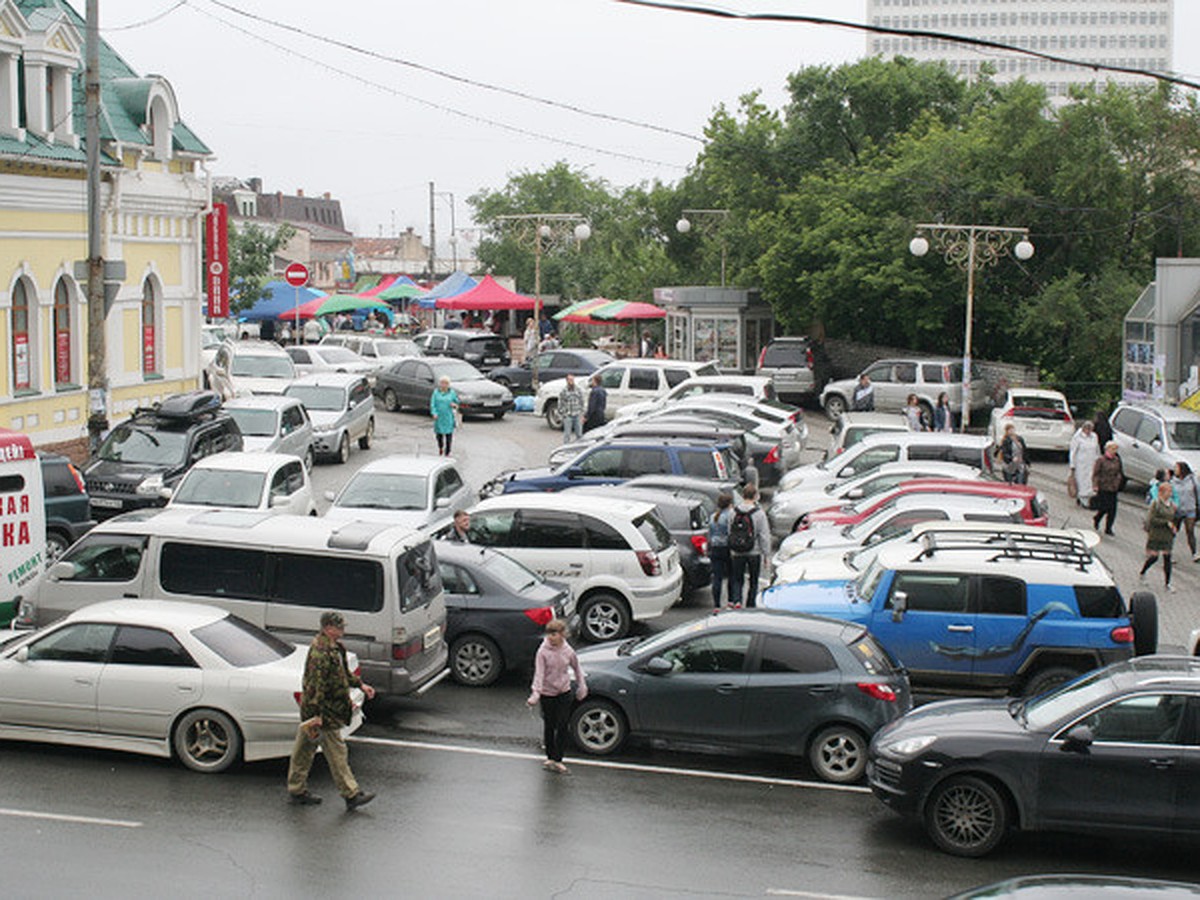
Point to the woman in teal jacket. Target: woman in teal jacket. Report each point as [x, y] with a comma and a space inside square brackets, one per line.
[443, 404]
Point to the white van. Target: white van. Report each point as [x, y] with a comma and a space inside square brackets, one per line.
[22, 520]
[278, 572]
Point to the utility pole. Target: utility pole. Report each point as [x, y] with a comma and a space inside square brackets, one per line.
[432, 237]
[97, 355]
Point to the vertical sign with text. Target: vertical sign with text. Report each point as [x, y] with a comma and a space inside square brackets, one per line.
[216, 239]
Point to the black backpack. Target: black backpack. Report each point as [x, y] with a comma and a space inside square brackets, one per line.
[741, 531]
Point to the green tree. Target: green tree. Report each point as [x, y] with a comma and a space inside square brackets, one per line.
[252, 250]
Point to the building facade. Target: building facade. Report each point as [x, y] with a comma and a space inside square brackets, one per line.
[153, 199]
[1133, 34]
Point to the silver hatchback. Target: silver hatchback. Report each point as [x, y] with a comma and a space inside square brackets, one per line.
[1153, 436]
[341, 408]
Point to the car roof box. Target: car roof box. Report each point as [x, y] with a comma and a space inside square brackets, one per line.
[191, 405]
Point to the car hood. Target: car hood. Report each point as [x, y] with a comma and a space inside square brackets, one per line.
[254, 442]
[824, 565]
[808, 478]
[973, 715]
[123, 472]
[833, 598]
[408, 518]
[248, 384]
[325, 417]
[479, 390]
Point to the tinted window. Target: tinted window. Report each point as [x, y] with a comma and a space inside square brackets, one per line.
[605, 462]
[136, 646]
[1150, 719]
[242, 644]
[602, 536]
[84, 642]
[492, 528]
[1001, 596]
[906, 373]
[783, 654]
[724, 652]
[790, 354]
[676, 376]
[697, 463]
[213, 571]
[109, 557]
[967, 456]
[931, 374]
[448, 481]
[57, 480]
[549, 530]
[1097, 602]
[931, 592]
[646, 461]
[871, 654]
[654, 532]
[1126, 421]
[327, 581]
[643, 379]
[420, 581]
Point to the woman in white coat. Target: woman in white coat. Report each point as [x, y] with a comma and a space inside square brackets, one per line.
[1085, 450]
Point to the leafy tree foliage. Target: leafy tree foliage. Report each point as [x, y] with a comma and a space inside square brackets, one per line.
[252, 250]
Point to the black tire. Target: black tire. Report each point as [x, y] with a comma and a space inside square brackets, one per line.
[309, 458]
[966, 816]
[1143, 612]
[835, 405]
[604, 617]
[839, 754]
[390, 402]
[503, 381]
[1045, 680]
[343, 450]
[475, 660]
[206, 740]
[364, 442]
[553, 419]
[56, 545]
[598, 727]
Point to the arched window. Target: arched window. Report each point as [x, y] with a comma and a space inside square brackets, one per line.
[149, 329]
[160, 128]
[22, 373]
[63, 369]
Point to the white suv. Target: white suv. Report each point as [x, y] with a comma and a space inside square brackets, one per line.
[250, 367]
[618, 558]
[625, 381]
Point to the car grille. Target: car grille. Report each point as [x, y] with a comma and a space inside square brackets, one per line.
[96, 486]
[887, 773]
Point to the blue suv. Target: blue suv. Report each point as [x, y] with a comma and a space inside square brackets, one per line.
[1010, 609]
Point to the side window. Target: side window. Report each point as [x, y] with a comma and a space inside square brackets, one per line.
[783, 654]
[605, 462]
[85, 642]
[612, 377]
[697, 463]
[448, 482]
[643, 379]
[329, 581]
[931, 591]
[221, 361]
[1001, 596]
[881, 373]
[1126, 421]
[676, 376]
[723, 652]
[927, 452]
[871, 459]
[110, 557]
[299, 354]
[1148, 430]
[549, 530]
[279, 483]
[967, 456]
[295, 476]
[360, 392]
[906, 373]
[932, 374]
[645, 461]
[903, 523]
[420, 580]
[137, 646]
[545, 360]
[422, 373]
[457, 580]
[210, 571]
[602, 536]
[406, 369]
[1099, 602]
[1149, 719]
[493, 528]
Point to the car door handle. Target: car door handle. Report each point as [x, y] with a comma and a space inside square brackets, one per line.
[821, 689]
[86, 682]
[961, 629]
[185, 688]
[576, 565]
[727, 688]
[1162, 762]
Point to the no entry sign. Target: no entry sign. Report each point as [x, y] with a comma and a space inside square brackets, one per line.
[296, 274]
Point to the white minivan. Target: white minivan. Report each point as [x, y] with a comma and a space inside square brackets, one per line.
[278, 572]
[22, 520]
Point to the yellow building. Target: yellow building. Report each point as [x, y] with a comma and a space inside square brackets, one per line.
[153, 197]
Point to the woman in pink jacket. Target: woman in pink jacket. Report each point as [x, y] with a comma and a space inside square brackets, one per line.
[552, 688]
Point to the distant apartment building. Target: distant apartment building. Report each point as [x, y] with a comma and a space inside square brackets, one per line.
[1135, 34]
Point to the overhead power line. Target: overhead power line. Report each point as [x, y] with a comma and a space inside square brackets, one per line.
[150, 21]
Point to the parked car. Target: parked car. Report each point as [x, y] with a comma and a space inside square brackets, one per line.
[274, 424]
[496, 611]
[68, 510]
[268, 482]
[624, 381]
[895, 379]
[1021, 615]
[851, 427]
[1070, 887]
[413, 491]
[381, 350]
[551, 365]
[616, 556]
[342, 410]
[410, 383]
[791, 364]
[250, 367]
[157, 677]
[153, 449]
[313, 358]
[748, 679]
[1041, 417]
[482, 349]
[1106, 753]
[703, 386]
[211, 338]
[1153, 436]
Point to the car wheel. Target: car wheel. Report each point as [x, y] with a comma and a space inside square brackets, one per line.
[309, 458]
[598, 727]
[553, 419]
[835, 405]
[56, 545]
[1048, 679]
[839, 754]
[503, 381]
[364, 442]
[605, 618]
[475, 660]
[390, 403]
[206, 740]
[966, 816]
[343, 450]
[1143, 612]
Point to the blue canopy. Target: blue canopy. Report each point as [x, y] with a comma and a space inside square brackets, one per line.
[458, 283]
[281, 298]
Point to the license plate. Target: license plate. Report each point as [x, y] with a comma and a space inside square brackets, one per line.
[491, 360]
[106, 503]
[487, 403]
[433, 637]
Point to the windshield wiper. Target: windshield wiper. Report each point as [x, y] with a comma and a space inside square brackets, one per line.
[627, 645]
[1016, 709]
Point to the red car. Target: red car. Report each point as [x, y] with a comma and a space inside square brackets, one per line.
[1035, 511]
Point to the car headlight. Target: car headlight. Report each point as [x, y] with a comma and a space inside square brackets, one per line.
[907, 748]
[324, 429]
[150, 485]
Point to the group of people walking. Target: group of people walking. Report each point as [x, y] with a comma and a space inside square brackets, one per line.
[580, 414]
[739, 545]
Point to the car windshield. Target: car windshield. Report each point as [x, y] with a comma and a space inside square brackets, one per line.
[1044, 710]
[457, 370]
[512, 574]
[316, 397]
[265, 366]
[397, 348]
[334, 355]
[1038, 401]
[1184, 435]
[254, 422]
[383, 490]
[135, 445]
[241, 644]
[868, 581]
[210, 339]
[220, 487]
[657, 643]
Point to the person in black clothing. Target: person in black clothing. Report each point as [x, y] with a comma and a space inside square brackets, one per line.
[597, 403]
[1102, 428]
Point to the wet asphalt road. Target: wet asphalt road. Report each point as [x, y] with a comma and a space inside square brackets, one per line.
[466, 811]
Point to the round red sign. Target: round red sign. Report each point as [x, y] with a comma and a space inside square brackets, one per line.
[296, 274]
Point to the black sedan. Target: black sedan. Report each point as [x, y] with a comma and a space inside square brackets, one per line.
[551, 364]
[1117, 750]
[409, 383]
[496, 611]
[749, 679]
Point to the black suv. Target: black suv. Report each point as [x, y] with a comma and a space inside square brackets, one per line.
[154, 448]
[68, 516]
[482, 349]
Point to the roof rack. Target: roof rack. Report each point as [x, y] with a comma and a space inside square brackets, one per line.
[1063, 548]
[188, 407]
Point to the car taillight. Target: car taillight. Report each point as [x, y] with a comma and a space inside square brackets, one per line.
[299, 695]
[78, 478]
[772, 456]
[700, 542]
[649, 561]
[1122, 634]
[541, 615]
[804, 523]
[762, 355]
[878, 691]
[404, 651]
[808, 357]
[796, 416]
[1008, 413]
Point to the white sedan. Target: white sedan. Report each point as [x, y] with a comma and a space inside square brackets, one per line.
[413, 491]
[1041, 417]
[159, 678]
[269, 482]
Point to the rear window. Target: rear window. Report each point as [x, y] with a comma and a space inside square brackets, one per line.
[792, 355]
[872, 656]
[242, 644]
[486, 345]
[654, 532]
[420, 580]
[1098, 602]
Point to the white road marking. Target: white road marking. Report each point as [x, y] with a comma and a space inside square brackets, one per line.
[812, 895]
[622, 766]
[60, 817]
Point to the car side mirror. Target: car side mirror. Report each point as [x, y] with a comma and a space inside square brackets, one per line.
[279, 500]
[441, 503]
[847, 472]
[856, 494]
[22, 655]
[61, 571]
[575, 472]
[330, 496]
[659, 666]
[165, 493]
[899, 606]
[1157, 444]
[1078, 739]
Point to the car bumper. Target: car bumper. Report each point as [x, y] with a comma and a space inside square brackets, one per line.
[102, 506]
[325, 443]
[891, 784]
[650, 603]
[485, 407]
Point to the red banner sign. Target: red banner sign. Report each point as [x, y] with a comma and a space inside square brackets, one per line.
[21, 361]
[148, 360]
[62, 357]
[216, 239]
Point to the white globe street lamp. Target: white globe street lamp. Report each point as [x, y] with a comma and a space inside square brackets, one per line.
[683, 226]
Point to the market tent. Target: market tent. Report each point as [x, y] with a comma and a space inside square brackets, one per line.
[488, 294]
[579, 312]
[384, 283]
[403, 288]
[281, 298]
[458, 283]
[600, 310]
[334, 303]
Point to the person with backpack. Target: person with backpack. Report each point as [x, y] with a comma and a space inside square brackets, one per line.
[718, 545]
[749, 544]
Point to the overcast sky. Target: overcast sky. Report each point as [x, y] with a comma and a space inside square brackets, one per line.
[270, 103]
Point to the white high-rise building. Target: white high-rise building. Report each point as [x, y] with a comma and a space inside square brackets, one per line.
[1134, 34]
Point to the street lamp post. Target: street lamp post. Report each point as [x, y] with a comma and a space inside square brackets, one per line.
[970, 247]
[543, 231]
[713, 220]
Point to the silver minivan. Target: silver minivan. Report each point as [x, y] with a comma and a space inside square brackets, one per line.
[1153, 436]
